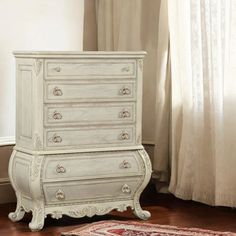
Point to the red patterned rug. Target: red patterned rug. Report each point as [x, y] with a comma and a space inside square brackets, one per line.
[123, 228]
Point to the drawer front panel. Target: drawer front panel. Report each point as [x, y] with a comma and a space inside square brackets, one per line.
[82, 69]
[90, 137]
[89, 114]
[91, 165]
[72, 92]
[80, 191]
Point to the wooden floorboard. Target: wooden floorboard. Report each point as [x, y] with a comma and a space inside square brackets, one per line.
[165, 209]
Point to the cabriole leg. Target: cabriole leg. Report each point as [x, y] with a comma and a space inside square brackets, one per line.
[19, 212]
[140, 213]
[17, 215]
[37, 221]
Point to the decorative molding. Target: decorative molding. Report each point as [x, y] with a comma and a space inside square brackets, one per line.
[147, 162]
[140, 64]
[56, 214]
[37, 142]
[37, 66]
[8, 140]
[90, 211]
[95, 210]
[36, 165]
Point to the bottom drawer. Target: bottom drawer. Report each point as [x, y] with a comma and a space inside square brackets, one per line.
[82, 191]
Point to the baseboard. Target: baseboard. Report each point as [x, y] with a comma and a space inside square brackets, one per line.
[7, 193]
[148, 142]
[9, 140]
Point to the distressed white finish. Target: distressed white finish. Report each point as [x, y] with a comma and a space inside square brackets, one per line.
[88, 114]
[78, 143]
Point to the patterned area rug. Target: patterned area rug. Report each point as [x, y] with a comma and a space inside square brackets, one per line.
[123, 228]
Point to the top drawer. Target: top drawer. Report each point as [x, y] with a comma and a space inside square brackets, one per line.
[89, 69]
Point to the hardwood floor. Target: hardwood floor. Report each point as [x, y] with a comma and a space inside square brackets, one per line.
[165, 209]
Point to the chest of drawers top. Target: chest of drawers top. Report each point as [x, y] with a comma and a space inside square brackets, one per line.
[78, 100]
[79, 54]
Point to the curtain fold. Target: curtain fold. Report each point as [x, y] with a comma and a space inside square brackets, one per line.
[161, 162]
[132, 25]
[119, 25]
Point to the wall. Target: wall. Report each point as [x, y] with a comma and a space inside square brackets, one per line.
[31, 25]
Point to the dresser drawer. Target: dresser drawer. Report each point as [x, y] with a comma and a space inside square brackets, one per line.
[102, 91]
[82, 191]
[82, 114]
[86, 137]
[89, 69]
[81, 166]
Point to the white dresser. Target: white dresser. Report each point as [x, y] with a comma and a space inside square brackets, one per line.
[78, 135]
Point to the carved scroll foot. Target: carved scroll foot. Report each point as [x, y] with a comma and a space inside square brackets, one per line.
[17, 215]
[37, 221]
[140, 213]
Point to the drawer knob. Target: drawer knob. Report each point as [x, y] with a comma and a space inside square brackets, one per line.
[125, 165]
[125, 69]
[124, 136]
[57, 115]
[58, 69]
[124, 114]
[60, 195]
[56, 138]
[57, 92]
[126, 188]
[125, 91]
[60, 169]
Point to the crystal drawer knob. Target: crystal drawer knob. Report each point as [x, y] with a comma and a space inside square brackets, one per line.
[125, 91]
[57, 92]
[124, 114]
[60, 195]
[58, 69]
[56, 138]
[124, 136]
[125, 165]
[60, 169]
[57, 115]
[126, 188]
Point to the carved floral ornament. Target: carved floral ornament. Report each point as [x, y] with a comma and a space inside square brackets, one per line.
[36, 167]
[37, 66]
[88, 211]
[140, 64]
[37, 142]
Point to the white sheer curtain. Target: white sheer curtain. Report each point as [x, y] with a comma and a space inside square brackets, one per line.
[195, 118]
[203, 127]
